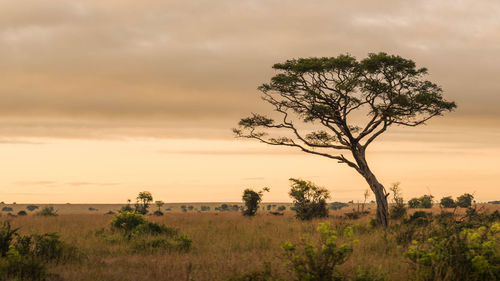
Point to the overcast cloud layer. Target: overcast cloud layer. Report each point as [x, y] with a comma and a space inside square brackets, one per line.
[191, 68]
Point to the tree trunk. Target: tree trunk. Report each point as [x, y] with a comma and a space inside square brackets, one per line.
[377, 188]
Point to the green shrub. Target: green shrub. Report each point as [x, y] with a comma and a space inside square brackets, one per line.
[465, 200]
[447, 202]
[398, 209]
[7, 234]
[318, 261]
[309, 199]
[7, 209]
[31, 208]
[424, 202]
[22, 213]
[128, 221]
[47, 212]
[456, 253]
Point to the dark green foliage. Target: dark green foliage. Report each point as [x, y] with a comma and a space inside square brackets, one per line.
[205, 208]
[419, 218]
[465, 200]
[252, 200]
[398, 208]
[190, 207]
[27, 256]
[6, 236]
[281, 208]
[447, 202]
[128, 221]
[497, 202]
[309, 199]
[92, 209]
[22, 213]
[455, 253]
[337, 205]
[47, 212]
[31, 208]
[424, 202]
[146, 236]
[318, 261]
[143, 201]
[158, 213]
[184, 208]
[7, 209]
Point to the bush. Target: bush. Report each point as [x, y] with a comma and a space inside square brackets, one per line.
[47, 212]
[31, 208]
[22, 213]
[26, 257]
[318, 261]
[398, 209]
[158, 213]
[128, 221]
[92, 209]
[456, 253]
[337, 205]
[309, 199]
[205, 208]
[424, 202]
[7, 209]
[281, 208]
[465, 200]
[252, 200]
[447, 202]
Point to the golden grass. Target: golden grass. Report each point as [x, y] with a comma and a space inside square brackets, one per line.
[224, 244]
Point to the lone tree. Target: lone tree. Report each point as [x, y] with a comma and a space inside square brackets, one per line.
[144, 199]
[252, 200]
[332, 95]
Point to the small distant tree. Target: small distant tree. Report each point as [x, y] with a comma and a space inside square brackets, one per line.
[398, 209]
[309, 199]
[159, 204]
[252, 199]
[447, 202]
[465, 200]
[143, 201]
[126, 208]
[414, 203]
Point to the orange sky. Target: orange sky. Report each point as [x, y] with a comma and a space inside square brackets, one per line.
[103, 99]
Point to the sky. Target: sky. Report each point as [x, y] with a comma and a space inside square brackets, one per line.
[103, 99]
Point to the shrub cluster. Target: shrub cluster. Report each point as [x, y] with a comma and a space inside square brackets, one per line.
[424, 202]
[309, 200]
[463, 201]
[148, 236]
[25, 257]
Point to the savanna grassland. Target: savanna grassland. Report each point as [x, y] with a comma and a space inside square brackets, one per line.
[224, 244]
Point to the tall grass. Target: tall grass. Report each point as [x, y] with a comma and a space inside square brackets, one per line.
[224, 244]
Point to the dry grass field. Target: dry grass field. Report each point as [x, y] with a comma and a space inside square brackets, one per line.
[224, 244]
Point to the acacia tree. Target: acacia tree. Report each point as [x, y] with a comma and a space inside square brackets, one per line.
[330, 94]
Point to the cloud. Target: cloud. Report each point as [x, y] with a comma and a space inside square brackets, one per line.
[86, 68]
